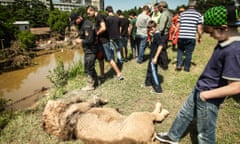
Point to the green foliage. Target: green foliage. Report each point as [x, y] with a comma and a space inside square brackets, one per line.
[58, 76]
[34, 11]
[2, 104]
[4, 119]
[203, 5]
[58, 21]
[4, 116]
[135, 9]
[26, 39]
[6, 26]
[76, 70]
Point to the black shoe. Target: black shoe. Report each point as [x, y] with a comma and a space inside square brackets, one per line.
[155, 92]
[178, 68]
[186, 70]
[163, 137]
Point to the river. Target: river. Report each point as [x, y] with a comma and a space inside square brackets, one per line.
[22, 87]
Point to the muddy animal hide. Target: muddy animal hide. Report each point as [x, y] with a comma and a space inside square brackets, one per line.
[93, 124]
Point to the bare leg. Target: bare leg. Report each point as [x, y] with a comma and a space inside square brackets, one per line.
[115, 68]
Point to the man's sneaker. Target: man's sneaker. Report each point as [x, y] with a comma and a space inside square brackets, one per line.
[101, 79]
[163, 137]
[154, 92]
[120, 77]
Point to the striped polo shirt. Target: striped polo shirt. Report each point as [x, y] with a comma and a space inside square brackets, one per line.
[188, 23]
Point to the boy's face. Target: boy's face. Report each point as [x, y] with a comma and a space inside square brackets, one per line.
[90, 12]
[152, 30]
[216, 32]
[78, 20]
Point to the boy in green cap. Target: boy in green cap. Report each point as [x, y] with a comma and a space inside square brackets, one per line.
[220, 78]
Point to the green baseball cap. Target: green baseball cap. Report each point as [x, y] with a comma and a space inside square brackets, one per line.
[221, 15]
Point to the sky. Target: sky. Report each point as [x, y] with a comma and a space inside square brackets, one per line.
[129, 4]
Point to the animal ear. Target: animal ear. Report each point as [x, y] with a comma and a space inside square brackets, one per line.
[162, 115]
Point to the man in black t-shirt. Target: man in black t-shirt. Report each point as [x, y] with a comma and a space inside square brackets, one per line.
[124, 24]
[113, 25]
[103, 38]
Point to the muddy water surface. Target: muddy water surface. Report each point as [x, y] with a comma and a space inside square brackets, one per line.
[23, 87]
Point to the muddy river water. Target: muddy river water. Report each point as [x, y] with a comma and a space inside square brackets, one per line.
[22, 87]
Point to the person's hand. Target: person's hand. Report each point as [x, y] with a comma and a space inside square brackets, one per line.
[199, 40]
[78, 40]
[202, 96]
[154, 61]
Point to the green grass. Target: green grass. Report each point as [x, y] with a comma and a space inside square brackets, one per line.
[128, 97]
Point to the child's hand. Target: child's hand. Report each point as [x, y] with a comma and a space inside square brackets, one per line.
[202, 97]
[154, 61]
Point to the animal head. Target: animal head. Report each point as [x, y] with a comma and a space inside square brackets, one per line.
[52, 119]
[60, 116]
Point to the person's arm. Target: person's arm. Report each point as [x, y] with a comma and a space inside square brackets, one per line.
[155, 59]
[130, 27]
[102, 28]
[176, 29]
[200, 31]
[87, 36]
[159, 43]
[233, 88]
[163, 22]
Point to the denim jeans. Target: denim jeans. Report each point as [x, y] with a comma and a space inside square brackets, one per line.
[89, 64]
[152, 78]
[117, 44]
[185, 46]
[205, 114]
[133, 46]
[108, 52]
[141, 45]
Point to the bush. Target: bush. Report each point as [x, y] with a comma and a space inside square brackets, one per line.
[26, 39]
[76, 70]
[58, 76]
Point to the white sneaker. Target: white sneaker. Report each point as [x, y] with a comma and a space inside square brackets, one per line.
[163, 137]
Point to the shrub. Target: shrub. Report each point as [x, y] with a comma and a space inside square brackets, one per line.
[58, 76]
[26, 39]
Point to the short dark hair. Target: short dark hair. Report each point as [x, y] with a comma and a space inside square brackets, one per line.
[73, 18]
[119, 12]
[109, 9]
[151, 24]
[92, 7]
[132, 13]
[156, 4]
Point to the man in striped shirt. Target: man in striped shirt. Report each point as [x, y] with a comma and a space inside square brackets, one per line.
[189, 23]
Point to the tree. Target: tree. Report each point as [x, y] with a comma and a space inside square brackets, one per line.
[6, 25]
[203, 5]
[34, 11]
[26, 39]
[58, 21]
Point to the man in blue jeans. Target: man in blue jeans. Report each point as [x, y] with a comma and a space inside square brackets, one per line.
[189, 23]
[221, 78]
[142, 33]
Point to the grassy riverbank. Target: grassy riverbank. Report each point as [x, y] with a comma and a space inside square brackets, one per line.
[128, 96]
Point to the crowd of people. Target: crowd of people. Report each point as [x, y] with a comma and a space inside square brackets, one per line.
[154, 29]
[110, 38]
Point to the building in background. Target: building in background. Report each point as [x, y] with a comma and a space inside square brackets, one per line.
[65, 6]
[22, 25]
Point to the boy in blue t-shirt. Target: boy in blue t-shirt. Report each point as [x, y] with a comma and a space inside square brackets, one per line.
[152, 78]
[220, 79]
